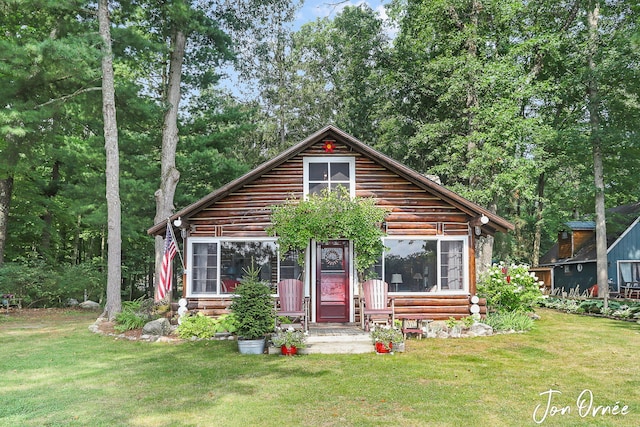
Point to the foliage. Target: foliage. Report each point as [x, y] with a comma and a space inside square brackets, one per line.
[465, 322]
[253, 306]
[616, 309]
[289, 337]
[43, 285]
[386, 334]
[135, 314]
[202, 326]
[509, 288]
[330, 215]
[506, 321]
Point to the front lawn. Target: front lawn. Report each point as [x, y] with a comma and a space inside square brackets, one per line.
[55, 372]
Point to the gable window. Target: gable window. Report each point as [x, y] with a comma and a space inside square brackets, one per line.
[424, 265]
[322, 173]
[218, 265]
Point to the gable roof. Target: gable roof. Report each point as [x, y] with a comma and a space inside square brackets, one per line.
[619, 220]
[496, 223]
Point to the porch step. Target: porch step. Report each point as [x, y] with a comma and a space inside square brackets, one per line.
[338, 344]
[337, 338]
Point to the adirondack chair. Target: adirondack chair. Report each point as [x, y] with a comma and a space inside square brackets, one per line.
[375, 304]
[292, 301]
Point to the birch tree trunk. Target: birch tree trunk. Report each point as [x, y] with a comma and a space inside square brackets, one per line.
[596, 143]
[169, 175]
[114, 240]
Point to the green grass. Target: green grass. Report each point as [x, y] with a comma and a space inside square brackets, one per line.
[53, 371]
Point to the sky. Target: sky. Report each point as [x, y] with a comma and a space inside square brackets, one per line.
[314, 9]
[310, 11]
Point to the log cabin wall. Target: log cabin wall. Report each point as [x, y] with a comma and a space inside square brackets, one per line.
[413, 211]
[245, 213]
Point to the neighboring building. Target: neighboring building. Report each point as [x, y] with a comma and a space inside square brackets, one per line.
[573, 258]
[431, 233]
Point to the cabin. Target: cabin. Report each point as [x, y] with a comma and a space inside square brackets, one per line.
[430, 234]
[572, 259]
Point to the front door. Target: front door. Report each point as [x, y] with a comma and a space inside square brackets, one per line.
[332, 281]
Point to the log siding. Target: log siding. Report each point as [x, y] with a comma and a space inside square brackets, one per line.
[417, 207]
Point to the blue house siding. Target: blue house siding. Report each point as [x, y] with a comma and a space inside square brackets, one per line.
[568, 277]
[626, 248]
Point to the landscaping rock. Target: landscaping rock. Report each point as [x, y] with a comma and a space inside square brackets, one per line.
[89, 305]
[157, 327]
[481, 329]
[72, 302]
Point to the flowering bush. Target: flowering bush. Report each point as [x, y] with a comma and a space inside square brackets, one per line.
[386, 334]
[510, 288]
[289, 338]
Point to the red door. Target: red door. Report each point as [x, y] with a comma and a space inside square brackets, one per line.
[332, 281]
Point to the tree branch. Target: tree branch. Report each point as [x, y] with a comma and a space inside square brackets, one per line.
[64, 98]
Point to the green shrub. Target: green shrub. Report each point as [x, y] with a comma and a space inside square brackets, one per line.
[506, 321]
[510, 288]
[253, 307]
[135, 314]
[202, 326]
[42, 285]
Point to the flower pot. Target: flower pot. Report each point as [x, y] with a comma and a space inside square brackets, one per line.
[251, 346]
[288, 351]
[380, 347]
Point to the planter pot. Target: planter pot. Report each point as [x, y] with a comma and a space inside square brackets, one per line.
[380, 348]
[251, 346]
[288, 351]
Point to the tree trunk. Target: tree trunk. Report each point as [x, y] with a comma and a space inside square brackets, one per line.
[169, 175]
[114, 240]
[6, 189]
[537, 237]
[50, 192]
[596, 143]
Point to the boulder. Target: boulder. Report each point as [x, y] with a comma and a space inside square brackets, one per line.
[89, 305]
[157, 327]
[481, 329]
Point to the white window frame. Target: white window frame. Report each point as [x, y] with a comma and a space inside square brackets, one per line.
[438, 239]
[330, 159]
[218, 240]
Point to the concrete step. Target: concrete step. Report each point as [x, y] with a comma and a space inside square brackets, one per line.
[335, 339]
[338, 345]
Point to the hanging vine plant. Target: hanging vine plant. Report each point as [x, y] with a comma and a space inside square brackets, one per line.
[329, 216]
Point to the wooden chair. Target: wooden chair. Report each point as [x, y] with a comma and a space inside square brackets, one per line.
[377, 303]
[292, 301]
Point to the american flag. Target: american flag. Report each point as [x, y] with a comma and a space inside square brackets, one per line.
[164, 283]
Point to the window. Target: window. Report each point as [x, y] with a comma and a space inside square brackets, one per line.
[217, 266]
[329, 173]
[629, 273]
[423, 265]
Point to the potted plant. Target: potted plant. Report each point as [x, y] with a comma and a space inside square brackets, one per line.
[384, 337]
[254, 312]
[289, 340]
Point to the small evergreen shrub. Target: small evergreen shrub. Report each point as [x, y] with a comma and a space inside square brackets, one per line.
[253, 307]
[509, 288]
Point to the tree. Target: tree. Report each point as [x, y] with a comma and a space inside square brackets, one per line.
[114, 240]
[48, 61]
